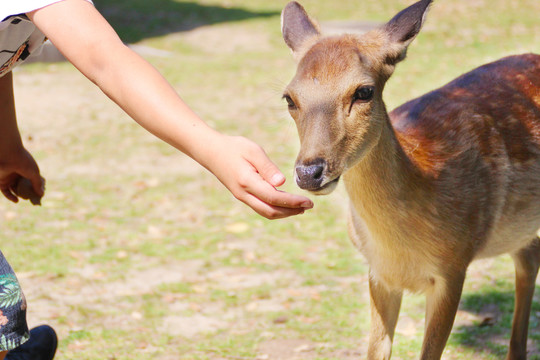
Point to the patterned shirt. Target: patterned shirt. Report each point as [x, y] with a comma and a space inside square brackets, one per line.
[19, 37]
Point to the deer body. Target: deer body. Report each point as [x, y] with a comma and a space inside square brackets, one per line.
[442, 180]
[470, 191]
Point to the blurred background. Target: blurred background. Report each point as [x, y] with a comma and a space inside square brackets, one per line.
[138, 252]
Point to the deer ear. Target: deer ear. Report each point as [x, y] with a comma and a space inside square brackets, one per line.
[404, 27]
[297, 27]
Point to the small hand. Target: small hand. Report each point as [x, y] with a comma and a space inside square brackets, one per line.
[16, 170]
[245, 169]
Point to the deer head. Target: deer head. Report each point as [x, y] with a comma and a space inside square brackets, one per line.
[335, 97]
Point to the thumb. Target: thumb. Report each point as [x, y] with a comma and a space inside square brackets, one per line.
[38, 184]
[267, 169]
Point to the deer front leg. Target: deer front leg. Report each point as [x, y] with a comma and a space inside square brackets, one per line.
[385, 306]
[442, 302]
[526, 262]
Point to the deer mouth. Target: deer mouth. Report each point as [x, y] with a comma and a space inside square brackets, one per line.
[316, 189]
[326, 188]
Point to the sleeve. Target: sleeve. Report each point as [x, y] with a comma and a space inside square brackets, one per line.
[16, 7]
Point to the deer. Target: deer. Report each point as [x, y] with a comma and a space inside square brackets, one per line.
[444, 179]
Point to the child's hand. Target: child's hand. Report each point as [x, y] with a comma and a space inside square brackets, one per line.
[13, 169]
[244, 168]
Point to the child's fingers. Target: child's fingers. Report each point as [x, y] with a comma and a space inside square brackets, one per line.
[25, 189]
[32, 178]
[6, 187]
[9, 195]
[269, 211]
[266, 193]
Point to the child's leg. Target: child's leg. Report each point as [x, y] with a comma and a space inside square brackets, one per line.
[13, 327]
[14, 334]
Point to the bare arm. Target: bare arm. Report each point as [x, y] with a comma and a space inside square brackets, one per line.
[15, 161]
[9, 136]
[89, 42]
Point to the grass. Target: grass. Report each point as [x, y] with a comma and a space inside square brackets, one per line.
[137, 252]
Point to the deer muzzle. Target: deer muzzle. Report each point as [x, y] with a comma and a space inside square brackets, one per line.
[312, 177]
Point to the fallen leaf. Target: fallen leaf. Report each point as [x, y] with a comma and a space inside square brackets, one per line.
[303, 348]
[136, 315]
[281, 320]
[237, 228]
[488, 320]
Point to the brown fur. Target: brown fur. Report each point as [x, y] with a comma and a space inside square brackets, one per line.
[444, 179]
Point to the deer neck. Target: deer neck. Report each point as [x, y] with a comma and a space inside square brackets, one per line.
[382, 183]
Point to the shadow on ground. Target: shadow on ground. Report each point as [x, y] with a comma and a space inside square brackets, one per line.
[491, 332]
[135, 20]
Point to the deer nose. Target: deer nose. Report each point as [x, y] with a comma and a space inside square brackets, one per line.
[310, 177]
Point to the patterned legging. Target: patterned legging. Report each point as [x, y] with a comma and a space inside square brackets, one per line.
[13, 327]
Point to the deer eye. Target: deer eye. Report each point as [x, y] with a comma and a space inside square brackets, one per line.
[363, 93]
[290, 102]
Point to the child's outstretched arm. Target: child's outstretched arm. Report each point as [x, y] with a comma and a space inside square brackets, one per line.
[85, 38]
